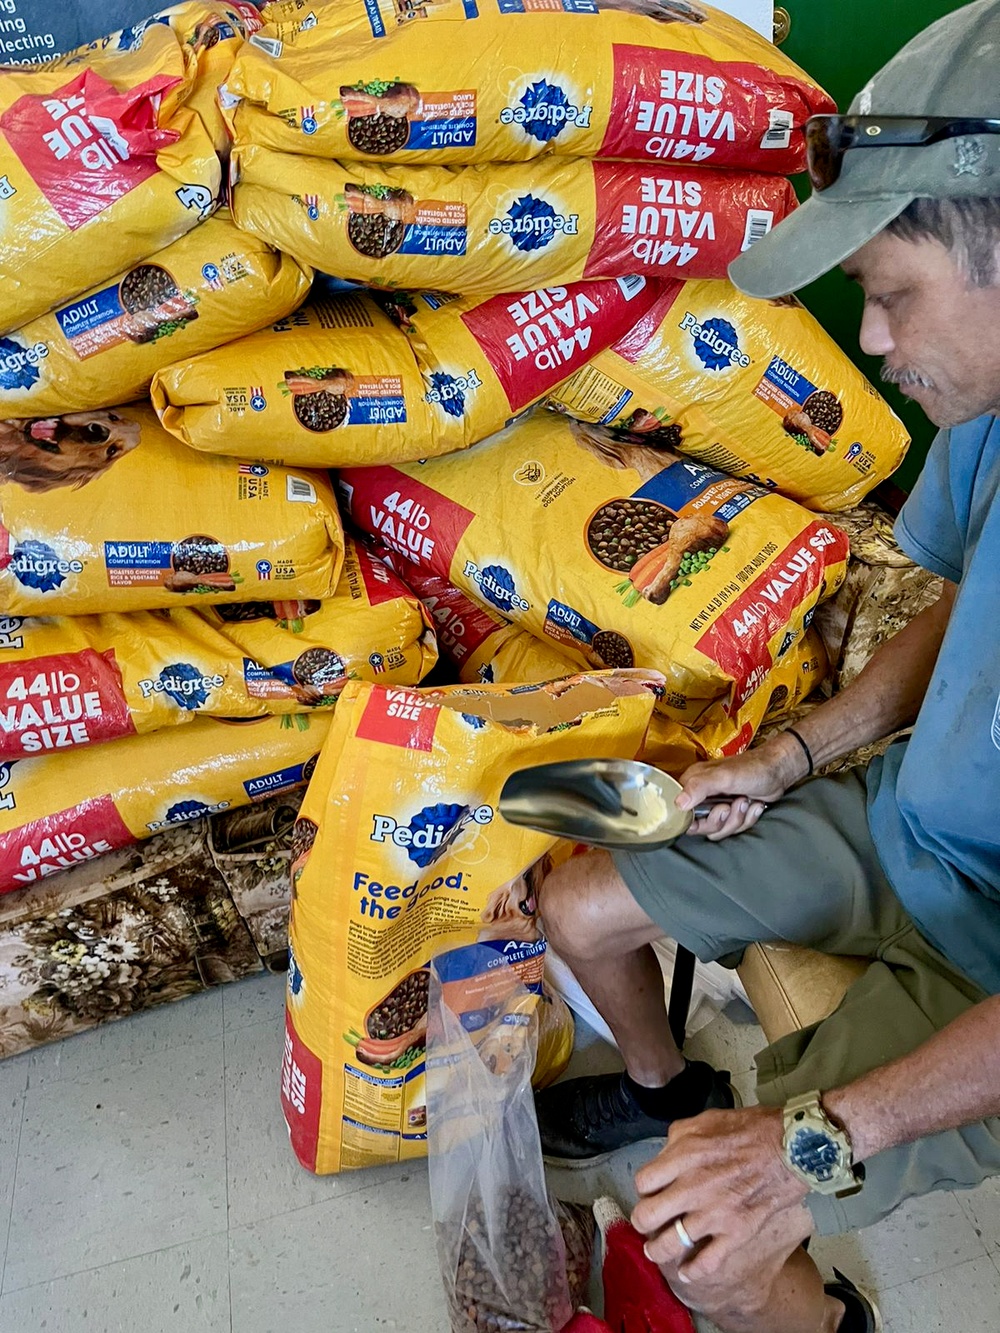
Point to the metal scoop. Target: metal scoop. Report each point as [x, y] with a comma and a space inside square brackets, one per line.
[604, 802]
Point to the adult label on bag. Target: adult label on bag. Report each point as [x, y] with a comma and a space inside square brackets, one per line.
[61, 701]
[131, 563]
[377, 401]
[282, 780]
[444, 120]
[440, 228]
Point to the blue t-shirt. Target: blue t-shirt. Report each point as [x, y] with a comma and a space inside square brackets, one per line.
[934, 801]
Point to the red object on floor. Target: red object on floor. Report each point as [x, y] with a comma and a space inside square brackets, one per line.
[585, 1322]
[636, 1298]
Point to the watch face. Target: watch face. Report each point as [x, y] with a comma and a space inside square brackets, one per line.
[815, 1153]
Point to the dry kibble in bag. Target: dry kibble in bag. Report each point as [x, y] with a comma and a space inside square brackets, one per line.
[343, 382]
[512, 1259]
[105, 511]
[657, 561]
[399, 853]
[57, 810]
[754, 388]
[485, 230]
[68, 681]
[499, 81]
[214, 284]
[101, 165]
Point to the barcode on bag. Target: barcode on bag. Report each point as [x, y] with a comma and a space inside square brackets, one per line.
[631, 286]
[269, 45]
[759, 223]
[300, 489]
[779, 133]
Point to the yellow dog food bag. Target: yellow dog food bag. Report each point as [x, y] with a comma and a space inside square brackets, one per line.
[399, 853]
[105, 511]
[483, 362]
[627, 553]
[58, 810]
[753, 388]
[211, 33]
[667, 81]
[339, 384]
[333, 383]
[77, 680]
[101, 165]
[484, 230]
[213, 285]
[486, 647]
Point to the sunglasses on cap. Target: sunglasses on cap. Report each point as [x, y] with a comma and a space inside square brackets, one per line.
[828, 138]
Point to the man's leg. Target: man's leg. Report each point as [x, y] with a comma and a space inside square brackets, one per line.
[599, 930]
[803, 874]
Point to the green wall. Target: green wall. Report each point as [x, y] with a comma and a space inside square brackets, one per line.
[842, 44]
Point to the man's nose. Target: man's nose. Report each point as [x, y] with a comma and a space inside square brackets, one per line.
[875, 337]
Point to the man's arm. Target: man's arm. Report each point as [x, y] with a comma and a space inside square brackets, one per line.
[885, 697]
[724, 1172]
[951, 1080]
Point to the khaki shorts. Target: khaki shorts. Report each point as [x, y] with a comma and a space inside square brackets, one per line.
[809, 873]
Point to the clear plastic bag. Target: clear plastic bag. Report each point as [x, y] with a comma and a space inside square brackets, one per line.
[503, 1244]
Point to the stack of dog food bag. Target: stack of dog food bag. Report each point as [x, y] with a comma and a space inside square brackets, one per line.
[565, 449]
[174, 627]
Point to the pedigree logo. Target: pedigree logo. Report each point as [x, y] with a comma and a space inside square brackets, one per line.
[716, 343]
[531, 223]
[544, 111]
[431, 831]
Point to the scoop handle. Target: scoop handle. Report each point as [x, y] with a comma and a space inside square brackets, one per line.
[705, 809]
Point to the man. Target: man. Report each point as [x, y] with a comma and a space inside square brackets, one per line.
[900, 863]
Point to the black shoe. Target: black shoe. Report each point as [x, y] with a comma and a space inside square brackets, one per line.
[584, 1120]
[862, 1314]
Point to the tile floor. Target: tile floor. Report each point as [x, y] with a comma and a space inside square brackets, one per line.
[146, 1186]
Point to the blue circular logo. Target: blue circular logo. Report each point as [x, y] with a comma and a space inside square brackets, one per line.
[210, 272]
[174, 678]
[450, 397]
[715, 345]
[309, 125]
[545, 106]
[376, 661]
[534, 223]
[497, 586]
[264, 568]
[258, 470]
[313, 213]
[258, 402]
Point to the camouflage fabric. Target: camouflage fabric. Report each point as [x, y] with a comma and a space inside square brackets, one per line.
[251, 849]
[133, 929]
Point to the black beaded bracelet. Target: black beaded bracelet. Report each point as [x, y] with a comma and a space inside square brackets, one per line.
[790, 731]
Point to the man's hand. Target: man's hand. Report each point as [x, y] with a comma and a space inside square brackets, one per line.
[754, 780]
[723, 1174]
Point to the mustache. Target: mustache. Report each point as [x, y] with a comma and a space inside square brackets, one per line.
[905, 378]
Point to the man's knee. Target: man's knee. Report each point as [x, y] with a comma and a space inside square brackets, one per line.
[587, 910]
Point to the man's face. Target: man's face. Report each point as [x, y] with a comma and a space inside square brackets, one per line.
[939, 335]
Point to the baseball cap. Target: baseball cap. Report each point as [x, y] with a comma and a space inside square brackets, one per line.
[951, 70]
